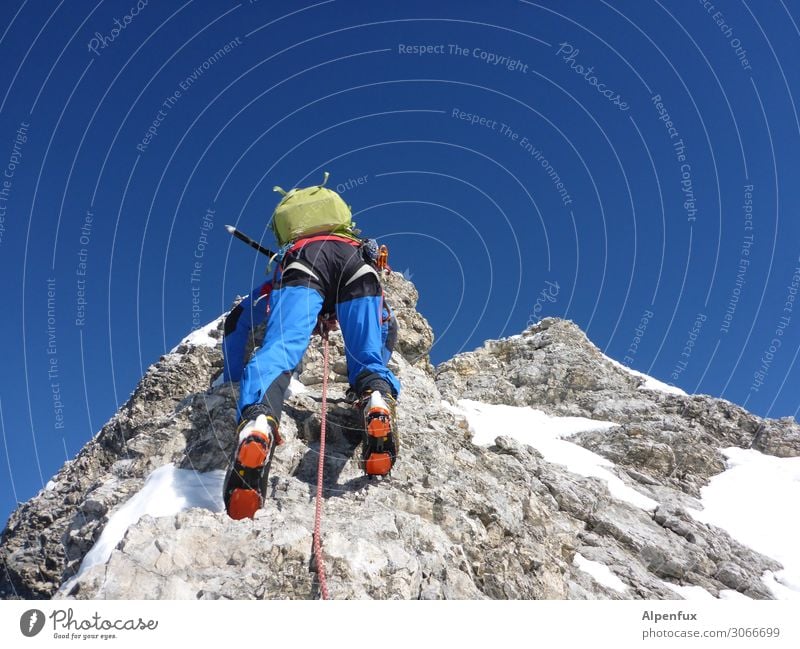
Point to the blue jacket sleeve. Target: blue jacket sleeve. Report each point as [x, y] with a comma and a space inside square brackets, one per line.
[246, 315]
[389, 329]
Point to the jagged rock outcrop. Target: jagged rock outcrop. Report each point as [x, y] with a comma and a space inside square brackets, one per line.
[673, 437]
[455, 520]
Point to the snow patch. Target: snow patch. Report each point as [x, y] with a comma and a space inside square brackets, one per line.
[752, 500]
[295, 387]
[781, 584]
[166, 492]
[733, 594]
[650, 383]
[689, 592]
[201, 337]
[599, 572]
[545, 433]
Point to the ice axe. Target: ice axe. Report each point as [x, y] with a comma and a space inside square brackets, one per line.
[250, 242]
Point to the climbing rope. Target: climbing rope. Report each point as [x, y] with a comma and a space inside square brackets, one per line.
[323, 584]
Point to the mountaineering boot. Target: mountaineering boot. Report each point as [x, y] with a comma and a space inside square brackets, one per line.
[380, 440]
[246, 483]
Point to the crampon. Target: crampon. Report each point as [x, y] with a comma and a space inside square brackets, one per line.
[246, 483]
[380, 440]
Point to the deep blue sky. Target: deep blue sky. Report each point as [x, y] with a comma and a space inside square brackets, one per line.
[645, 231]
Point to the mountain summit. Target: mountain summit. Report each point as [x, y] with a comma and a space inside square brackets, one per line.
[533, 467]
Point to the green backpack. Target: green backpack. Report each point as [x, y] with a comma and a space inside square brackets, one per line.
[311, 210]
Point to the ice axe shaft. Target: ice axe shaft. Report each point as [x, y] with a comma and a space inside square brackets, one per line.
[250, 242]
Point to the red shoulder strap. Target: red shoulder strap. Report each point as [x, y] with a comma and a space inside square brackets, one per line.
[321, 237]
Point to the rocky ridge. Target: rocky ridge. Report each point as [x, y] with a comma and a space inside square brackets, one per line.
[455, 520]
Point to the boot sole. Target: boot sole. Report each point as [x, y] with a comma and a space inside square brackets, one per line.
[244, 503]
[378, 464]
[249, 471]
[377, 461]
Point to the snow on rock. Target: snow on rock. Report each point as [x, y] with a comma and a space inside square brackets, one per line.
[166, 492]
[295, 387]
[545, 433]
[600, 572]
[781, 584]
[691, 592]
[201, 337]
[749, 500]
[733, 594]
[650, 383]
[527, 425]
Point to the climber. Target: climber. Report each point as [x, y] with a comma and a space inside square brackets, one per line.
[251, 312]
[325, 274]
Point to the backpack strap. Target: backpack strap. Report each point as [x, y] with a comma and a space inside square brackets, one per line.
[321, 237]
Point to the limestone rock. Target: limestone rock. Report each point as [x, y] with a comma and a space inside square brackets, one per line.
[454, 520]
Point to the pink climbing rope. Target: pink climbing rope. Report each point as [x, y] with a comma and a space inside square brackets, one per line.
[323, 584]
